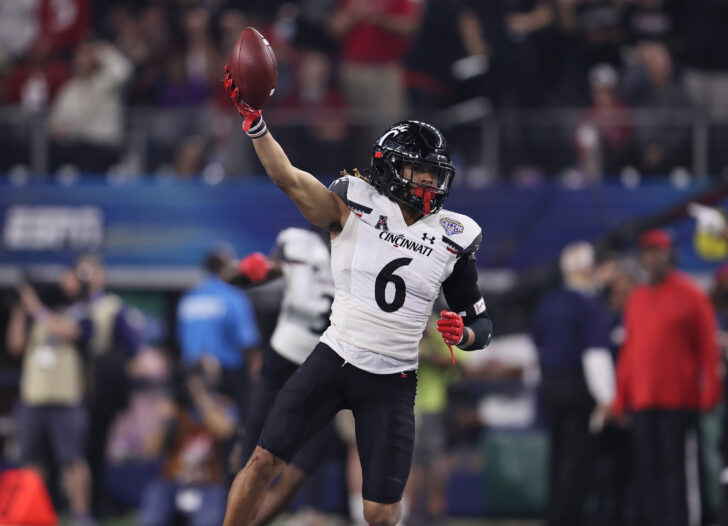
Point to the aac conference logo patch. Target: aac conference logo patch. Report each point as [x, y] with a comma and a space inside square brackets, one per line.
[451, 226]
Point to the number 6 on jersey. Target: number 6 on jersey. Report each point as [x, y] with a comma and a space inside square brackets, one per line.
[385, 276]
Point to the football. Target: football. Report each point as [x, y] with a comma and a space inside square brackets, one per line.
[253, 68]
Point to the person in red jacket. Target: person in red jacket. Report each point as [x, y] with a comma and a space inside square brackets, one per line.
[666, 374]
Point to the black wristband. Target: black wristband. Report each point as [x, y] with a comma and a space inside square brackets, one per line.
[257, 129]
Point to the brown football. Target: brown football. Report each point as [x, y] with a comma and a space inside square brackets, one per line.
[253, 68]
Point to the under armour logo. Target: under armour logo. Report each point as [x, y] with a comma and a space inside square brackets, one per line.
[431, 239]
[382, 224]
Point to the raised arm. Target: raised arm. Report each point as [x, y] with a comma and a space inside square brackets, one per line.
[114, 68]
[60, 326]
[319, 206]
[214, 414]
[16, 337]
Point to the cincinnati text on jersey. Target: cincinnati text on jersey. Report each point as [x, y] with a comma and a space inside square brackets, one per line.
[398, 240]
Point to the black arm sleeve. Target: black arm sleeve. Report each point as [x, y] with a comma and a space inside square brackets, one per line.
[463, 296]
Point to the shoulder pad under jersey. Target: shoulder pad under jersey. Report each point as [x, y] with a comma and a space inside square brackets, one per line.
[460, 233]
[355, 192]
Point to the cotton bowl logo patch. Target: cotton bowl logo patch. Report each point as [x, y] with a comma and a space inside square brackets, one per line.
[451, 226]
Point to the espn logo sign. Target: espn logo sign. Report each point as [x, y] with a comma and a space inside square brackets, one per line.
[53, 228]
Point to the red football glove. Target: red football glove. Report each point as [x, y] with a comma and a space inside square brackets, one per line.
[451, 327]
[248, 113]
[255, 267]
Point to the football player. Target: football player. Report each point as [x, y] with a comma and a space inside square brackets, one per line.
[393, 247]
[302, 257]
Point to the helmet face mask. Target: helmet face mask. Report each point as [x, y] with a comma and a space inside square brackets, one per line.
[407, 157]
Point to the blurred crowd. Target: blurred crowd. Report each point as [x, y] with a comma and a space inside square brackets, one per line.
[629, 360]
[616, 364]
[348, 68]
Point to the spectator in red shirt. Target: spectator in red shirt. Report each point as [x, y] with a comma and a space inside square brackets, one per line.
[66, 23]
[30, 85]
[33, 83]
[374, 36]
[667, 373]
[719, 294]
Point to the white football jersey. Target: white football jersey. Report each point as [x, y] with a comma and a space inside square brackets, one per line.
[388, 275]
[309, 291]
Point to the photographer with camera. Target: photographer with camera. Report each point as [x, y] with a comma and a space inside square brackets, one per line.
[199, 421]
[51, 408]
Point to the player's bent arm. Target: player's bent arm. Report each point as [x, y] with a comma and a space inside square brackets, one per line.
[317, 204]
[463, 297]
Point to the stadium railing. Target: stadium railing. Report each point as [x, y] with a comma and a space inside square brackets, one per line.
[486, 144]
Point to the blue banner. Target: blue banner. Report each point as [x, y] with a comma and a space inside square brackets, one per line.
[173, 223]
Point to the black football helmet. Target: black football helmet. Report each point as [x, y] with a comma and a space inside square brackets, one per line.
[407, 147]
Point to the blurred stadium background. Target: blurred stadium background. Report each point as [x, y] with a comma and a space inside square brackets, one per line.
[567, 119]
